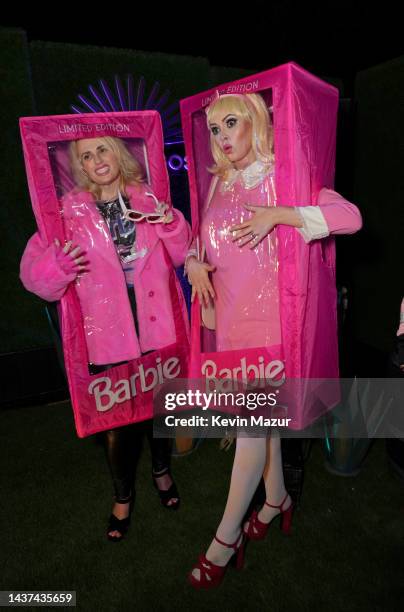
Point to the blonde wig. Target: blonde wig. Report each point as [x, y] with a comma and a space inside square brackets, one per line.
[130, 169]
[253, 109]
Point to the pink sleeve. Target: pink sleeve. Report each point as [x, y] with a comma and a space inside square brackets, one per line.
[341, 216]
[40, 271]
[176, 237]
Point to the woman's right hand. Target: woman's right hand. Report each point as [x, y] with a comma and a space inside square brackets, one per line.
[70, 258]
[198, 276]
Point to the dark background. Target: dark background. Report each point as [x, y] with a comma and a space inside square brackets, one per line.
[357, 48]
[329, 38]
[345, 552]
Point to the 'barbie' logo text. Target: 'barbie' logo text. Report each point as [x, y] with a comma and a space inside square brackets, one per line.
[144, 380]
[258, 374]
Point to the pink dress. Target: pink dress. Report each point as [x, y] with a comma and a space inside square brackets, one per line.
[245, 280]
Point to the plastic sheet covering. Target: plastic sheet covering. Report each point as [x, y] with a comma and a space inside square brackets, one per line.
[277, 303]
[247, 304]
[98, 319]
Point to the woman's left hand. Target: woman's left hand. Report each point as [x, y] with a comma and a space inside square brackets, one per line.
[261, 223]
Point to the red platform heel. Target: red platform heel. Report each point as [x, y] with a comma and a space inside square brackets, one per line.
[257, 530]
[211, 575]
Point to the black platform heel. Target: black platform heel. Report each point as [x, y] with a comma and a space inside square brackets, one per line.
[121, 525]
[169, 494]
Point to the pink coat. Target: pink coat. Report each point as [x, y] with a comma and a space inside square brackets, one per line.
[107, 316]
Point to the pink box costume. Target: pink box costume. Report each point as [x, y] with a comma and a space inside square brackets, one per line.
[99, 299]
[275, 303]
[286, 308]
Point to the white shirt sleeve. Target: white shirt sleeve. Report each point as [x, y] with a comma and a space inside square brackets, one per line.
[314, 223]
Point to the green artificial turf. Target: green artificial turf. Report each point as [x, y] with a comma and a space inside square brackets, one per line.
[345, 552]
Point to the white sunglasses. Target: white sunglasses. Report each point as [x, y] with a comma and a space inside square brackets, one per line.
[159, 216]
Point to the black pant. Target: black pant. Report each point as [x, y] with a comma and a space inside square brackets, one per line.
[123, 446]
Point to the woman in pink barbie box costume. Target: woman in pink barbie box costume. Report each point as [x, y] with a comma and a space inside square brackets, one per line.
[111, 200]
[240, 244]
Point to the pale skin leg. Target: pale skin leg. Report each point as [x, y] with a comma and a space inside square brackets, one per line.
[274, 481]
[248, 466]
[254, 457]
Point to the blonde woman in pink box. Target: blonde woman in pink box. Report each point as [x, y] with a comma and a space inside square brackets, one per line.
[121, 249]
[240, 275]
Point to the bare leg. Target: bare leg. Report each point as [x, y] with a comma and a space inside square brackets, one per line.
[248, 466]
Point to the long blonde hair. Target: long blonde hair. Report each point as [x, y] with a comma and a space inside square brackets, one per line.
[253, 109]
[130, 169]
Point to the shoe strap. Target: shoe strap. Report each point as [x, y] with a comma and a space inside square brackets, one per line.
[116, 524]
[280, 505]
[125, 501]
[163, 472]
[234, 546]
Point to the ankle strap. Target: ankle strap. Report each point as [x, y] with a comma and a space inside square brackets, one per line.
[123, 500]
[280, 505]
[233, 546]
[162, 472]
